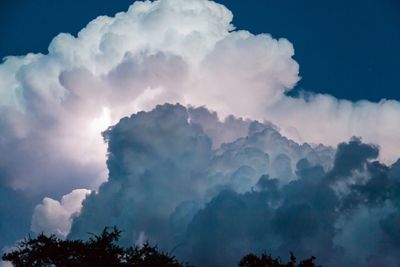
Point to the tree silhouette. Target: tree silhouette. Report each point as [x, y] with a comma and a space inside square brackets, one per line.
[100, 250]
[265, 260]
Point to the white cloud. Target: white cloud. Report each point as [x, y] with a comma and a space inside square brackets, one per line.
[53, 106]
[55, 217]
[168, 50]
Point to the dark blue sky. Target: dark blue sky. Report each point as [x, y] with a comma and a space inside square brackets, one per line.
[347, 48]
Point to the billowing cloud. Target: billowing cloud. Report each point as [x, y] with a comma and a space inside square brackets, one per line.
[313, 215]
[163, 170]
[259, 192]
[55, 217]
[166, 154]
[53, 108]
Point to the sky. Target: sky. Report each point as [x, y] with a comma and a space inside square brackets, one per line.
[348, 49]
[171, 119]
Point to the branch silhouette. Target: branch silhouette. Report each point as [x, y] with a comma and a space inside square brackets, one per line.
[102, 250]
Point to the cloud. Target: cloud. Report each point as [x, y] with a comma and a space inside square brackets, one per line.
[55, 217]
[307, 216]
[213, 205]
[163, 171]
[324, 119]
[53, 108]
[156, 52]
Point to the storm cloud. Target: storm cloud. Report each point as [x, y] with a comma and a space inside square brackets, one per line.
[165, 154]
[214, 205]
[161, 173]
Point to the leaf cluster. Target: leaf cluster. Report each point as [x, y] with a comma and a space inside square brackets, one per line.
[100, 250]
[265, 260]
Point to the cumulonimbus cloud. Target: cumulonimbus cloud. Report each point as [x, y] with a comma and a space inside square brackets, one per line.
[163, 51]
[163, 170]
[258, 192]
[54, 106]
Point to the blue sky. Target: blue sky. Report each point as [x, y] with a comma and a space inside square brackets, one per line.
[348, 49]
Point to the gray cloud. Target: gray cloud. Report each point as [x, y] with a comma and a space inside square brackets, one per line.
[53, 108]
[357, 226]
[166, 180]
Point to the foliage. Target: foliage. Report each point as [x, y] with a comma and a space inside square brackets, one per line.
[102, 250]
[99, 250]
[266, 260]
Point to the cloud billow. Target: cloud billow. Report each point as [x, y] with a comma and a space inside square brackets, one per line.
[162, 160]
[168, 184]
[54, 106]
[309, 216]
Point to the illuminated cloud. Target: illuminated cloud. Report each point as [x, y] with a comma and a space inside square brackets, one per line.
[55, 217]
[53, 107]
[163, 51]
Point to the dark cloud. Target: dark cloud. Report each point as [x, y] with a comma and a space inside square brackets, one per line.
[167, 183]
[358, 225]
[155, 163]
[256, 191]
[352, 157]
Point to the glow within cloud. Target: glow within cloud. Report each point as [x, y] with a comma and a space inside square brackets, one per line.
[183, 51]
[53, 107]
[55, 217]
